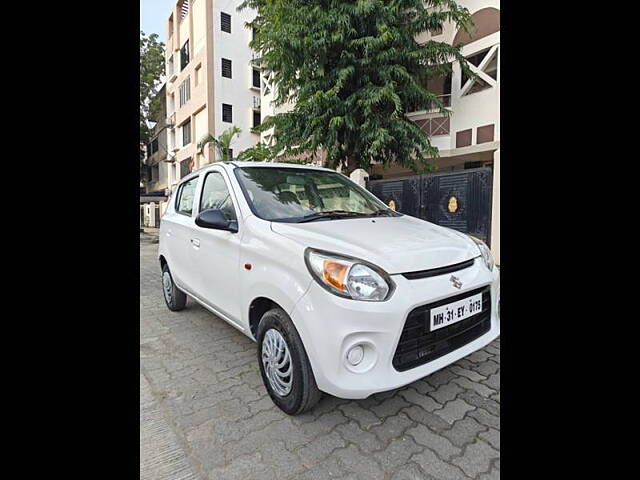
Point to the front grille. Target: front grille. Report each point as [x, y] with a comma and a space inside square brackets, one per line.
[418, 345]
[434, 272]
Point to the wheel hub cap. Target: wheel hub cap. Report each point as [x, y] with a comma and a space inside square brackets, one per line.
[276, 360]
[166, 284]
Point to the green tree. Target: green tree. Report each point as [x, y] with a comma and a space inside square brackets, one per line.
[352, 69]
[222, 143]
[257, 153]
[151, 71]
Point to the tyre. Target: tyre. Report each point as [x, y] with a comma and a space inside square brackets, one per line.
[284, 365]
[174, 298]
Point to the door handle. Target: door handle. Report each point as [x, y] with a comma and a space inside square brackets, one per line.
[195, 242]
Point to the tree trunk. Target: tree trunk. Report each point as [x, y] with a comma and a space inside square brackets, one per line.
[352, 164]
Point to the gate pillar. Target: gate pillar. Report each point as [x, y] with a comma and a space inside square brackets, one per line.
[495, 208]
[360, 177]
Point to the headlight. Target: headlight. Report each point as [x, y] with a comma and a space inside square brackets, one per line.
[348, 277]
[484, 251]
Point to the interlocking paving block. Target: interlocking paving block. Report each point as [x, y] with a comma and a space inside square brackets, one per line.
[365, 440]
[454, 410]
[424, 401]
[435, 467]
[393, 427]
[485, 418]
[435, 441]
[464, 431]
[477, 458]
[447, 392]
[397, 453]
[479, 388]
[487, 368]
[493, 437]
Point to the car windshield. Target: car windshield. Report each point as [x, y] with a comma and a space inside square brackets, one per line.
[300, 195]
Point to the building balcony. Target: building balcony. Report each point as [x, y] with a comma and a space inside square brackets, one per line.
[433, 108]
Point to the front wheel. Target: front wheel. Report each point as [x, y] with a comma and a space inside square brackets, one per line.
[284, 365]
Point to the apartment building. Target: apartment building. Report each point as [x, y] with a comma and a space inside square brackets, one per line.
[211, 83]
[157, 167]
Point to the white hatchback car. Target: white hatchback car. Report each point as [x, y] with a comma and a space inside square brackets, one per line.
[342, 294]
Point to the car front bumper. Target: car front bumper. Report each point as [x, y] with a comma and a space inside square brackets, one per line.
[330, 326]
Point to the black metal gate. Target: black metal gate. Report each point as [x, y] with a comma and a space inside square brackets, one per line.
[460, 200]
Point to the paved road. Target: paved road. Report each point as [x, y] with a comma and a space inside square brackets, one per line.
[204, 413]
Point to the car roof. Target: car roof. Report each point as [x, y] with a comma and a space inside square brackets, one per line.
[231, 164]
[242, 164]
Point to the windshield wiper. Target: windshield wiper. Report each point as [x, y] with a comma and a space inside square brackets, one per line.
[330, 214]
[383, 213]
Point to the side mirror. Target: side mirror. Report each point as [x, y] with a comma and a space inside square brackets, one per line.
[215, 219]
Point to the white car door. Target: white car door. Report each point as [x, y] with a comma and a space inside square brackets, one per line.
[217, 254]
[180, 226]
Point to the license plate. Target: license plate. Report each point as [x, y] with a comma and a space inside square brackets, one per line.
[454, 312]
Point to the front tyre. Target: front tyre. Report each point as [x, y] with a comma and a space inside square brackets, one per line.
[284, 364]
[174, 298]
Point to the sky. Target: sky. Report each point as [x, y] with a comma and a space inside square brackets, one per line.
[153, 14]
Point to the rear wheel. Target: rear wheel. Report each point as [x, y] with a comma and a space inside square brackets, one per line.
[174, 298]
[284, 365]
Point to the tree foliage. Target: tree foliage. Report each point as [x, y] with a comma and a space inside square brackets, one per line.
[257, 153]
[352, 69]
[222, 143]
[151, 72]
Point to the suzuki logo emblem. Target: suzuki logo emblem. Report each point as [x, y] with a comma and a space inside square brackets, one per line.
[456, 282]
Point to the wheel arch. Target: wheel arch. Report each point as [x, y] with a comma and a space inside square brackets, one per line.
[257, 308]
[264, 296]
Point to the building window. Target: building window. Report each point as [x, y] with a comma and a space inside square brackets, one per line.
[185, 91]
[256, 78]
[256, 118]
[463, 138]
[184, 55]
[227, 113]
[153, 147]
[225, 22]
[186, 133]
[226, 68]
[484, 134]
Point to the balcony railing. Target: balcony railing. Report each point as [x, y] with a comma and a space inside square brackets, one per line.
[434, 126]
[433, 107]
